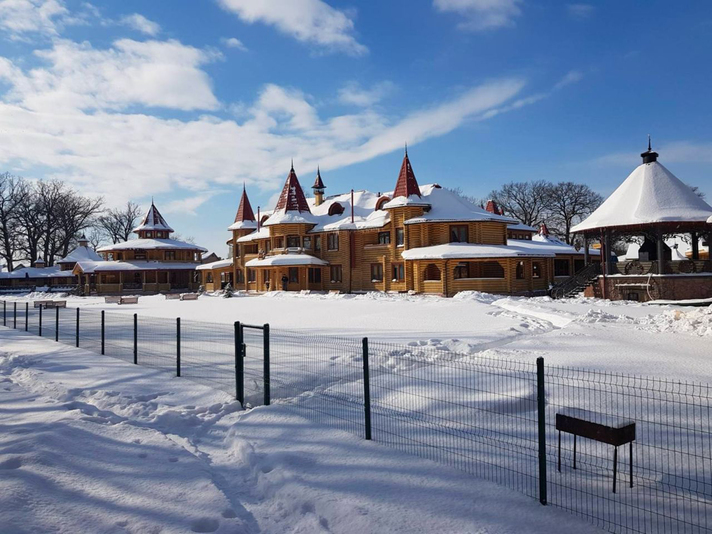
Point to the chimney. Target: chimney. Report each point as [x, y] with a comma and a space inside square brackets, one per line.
[543, 230]
[493, 207]
[352, 206]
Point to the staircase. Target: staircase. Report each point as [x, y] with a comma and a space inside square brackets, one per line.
[577, 283]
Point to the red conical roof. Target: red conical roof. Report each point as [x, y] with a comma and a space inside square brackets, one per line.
[406, 185]
[493, 207]
[244, 212]
[292, 197]
[543, 229]
[318, 183]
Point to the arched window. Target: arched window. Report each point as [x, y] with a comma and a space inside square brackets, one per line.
[263, 219]
[336, 209]
[381, 201]
[432, 272]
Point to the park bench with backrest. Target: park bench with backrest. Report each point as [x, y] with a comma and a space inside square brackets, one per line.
[189, 296]
[128, 300]
[42, 303]
[598, 427]
[173, 296]
[112, 300]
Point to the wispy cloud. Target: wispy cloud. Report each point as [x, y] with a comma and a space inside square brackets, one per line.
[355, 94]
[571, 77]
[140, 23]
[234, 42]
[580, 11]
[479, 15]
[309, 21]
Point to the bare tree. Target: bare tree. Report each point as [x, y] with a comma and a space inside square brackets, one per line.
[567, 204]
[526, 201]
[118, 224]
[469, 198]
[13, 193]
[75, 214]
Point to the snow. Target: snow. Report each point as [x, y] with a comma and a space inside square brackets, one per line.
[94, 444]
[514, 249]
[285, 259]
[220, 264]
[135, 265]
[153, 220]
[262, 233]
[79, 254]
[37, 272]
[150, 244]
[284, 216]
[448, 206]
[520, 226]
[241, 225]
[650, 194]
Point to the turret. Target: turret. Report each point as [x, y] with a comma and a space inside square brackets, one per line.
[318, 188]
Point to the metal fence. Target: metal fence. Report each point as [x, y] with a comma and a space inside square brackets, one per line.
[494, 418]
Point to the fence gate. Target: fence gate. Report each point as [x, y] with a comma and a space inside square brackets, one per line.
[252, 363]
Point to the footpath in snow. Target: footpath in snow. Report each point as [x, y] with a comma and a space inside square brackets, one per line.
[93, 444]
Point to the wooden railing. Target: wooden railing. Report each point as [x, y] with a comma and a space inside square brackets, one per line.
[581, 279]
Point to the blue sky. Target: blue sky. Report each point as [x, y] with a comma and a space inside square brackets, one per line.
[186, 101]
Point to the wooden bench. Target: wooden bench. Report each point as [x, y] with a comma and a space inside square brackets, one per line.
[128, 300]
[112, 300]
[56, 304]
[598, 427]
[189, 296]
[173, 296]
[42, 303]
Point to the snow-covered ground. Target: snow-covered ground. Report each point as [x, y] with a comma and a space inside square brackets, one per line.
[93, 444]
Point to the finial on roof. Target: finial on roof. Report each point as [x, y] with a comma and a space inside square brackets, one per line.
[649, 156]
[406, 149]
[292, 163]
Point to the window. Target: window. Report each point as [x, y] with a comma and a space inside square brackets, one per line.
[140, 256]
[278, 242]
[400, 237]
[336, 209]
[381, 201]
[335, 274]
[240, 276]
[432, 272]
[307, 243]
[398, 272]
[294, 275]
[536, 270]
[209, 278]
[481, 269]
[332, 242]
[561, 268]
[384, 238]
[462, 270]
[196, 277]
[251, 275]
[268, 246]
[110, 256]
[376, 272]
[314, 275]
[170, 255]
[149, 234]
[520, 270]
[458, 234]
[293, 241]
[317, 242]
[578, 265]
[119, 256]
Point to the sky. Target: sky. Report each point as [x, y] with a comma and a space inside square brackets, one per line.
[185, 102]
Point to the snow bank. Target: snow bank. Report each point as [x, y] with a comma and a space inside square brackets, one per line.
[697, 321]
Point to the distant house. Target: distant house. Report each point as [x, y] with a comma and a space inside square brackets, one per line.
[210, 258]
[152, 263]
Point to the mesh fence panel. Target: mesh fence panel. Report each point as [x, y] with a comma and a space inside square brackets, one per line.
[90, 330]
[67, 325]
[157, 342]
[119, 335]
[672, 462]
[208, 354]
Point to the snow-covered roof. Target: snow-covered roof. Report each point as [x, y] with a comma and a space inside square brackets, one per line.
[550, 244]
[650, 194]
[151, 244]
[242, 225]
[448, 206]
[710, 220]
[285, 259]
[35, 272]
[153, 220]
[365, 213]
[472, 250]
[521, 227]
[220, 264]
[262, 233]
[80, 253]
[136, 265]
[400, 202]
[284, 216]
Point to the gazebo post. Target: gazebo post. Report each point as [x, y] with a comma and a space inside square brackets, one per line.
[586, 255]
[694, 237]
[607, 249]
[660, 243]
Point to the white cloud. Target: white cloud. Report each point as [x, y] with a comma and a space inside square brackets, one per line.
[234, 42]
[573, 76]
[21, 17]
[580, 11]
[353, 93]
[142, 24]
[309, 21]
[152, 73]
[479, 15]
[189, 205]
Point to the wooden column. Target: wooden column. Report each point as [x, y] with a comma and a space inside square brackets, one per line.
[660, 245]
[586, 255]
[695, 245]
[607, 251]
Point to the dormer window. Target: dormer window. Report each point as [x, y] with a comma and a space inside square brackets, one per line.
[149, 234]
[380, 203]
[336, 209]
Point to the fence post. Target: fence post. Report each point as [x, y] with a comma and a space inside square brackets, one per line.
[40, 327]
[135, 338]
[27, 316]
[4, 313]
[177, 346]
[366, 389]
[76, 336]
[14, 314]
[102, 332]
[541, 418]
[239, 365]
[265, 333]
[56, 323]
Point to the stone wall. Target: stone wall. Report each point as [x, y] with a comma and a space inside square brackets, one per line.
[670, 287]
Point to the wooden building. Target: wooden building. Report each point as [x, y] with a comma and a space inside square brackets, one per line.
[150, 264]
[420, 239]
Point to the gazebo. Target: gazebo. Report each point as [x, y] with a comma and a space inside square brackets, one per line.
[651, 204]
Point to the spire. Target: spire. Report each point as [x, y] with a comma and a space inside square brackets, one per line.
[493, 207]
[406, 149]
[406, 185]
[244, 211]
[649, 156]
[83, 241]
[543, 230]
[153, 220]
[318, 183]
[292, 197]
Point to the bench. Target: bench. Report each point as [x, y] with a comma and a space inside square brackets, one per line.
[189, 296]
[172, 296]
[56, 304]
[42, 303]
[598, 427]
[128, 300]
[112, 300]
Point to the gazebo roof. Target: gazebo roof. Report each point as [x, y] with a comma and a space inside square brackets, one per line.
[650, 196]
